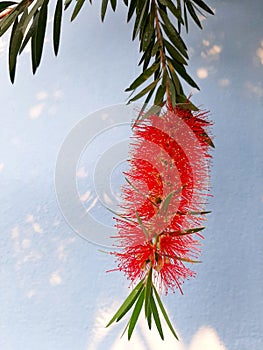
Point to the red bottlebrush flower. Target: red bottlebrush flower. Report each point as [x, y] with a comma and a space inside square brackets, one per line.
[167, 189]
[166, 254]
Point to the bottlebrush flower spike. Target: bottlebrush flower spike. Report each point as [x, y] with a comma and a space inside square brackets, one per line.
[163, 202]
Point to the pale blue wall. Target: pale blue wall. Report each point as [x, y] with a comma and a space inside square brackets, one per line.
[54, 292]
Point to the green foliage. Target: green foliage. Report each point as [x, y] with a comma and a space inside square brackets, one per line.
[145, 294]
[164, 53]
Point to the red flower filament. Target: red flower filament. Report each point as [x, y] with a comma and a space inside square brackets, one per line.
[164, 198]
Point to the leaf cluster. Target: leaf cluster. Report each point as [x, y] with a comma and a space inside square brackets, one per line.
[144, 294]
[157, 25]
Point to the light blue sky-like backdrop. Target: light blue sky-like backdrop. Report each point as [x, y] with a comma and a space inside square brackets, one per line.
[54, 292]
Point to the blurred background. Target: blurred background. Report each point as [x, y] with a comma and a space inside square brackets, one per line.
[54, 291]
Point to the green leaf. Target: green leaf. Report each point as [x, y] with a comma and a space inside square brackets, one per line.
[33, 41]
[172, 34]
[34, 24]
[141, 11]
[135, 314]
[5, 4]
[180, 11]
[164, 313]
[175, 54]
[77, 8]
[126, 2]
[30, 32]
[153, 110]
[194, 212]
[148, 55]
[104, 6]
[131, 10]
[13, 47]
[67, 3]
[172, 91]
[147, 35]
[15, 43]
[127, 304]
[166, 202]
[201, 4]
[156, 48]
[145, 90]
[144, 105]
[142, 226]
[175, 79]
[149, 317]
[57, 25]
[172, 8]
[190, 231]
[156, 317]
[159, 95]
[40, 33]
[181, 71]
[148, 292]
[184, 259]
[193, 14]
[7, 21]
[113, 4]
[186, 105]
[207, 139]
[143, 77]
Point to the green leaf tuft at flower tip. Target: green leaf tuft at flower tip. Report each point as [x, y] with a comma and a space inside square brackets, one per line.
[144, 293]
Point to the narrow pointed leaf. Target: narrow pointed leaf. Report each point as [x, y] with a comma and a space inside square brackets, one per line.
[77, 8]
[40, 34]
[34, 23]
[156, 317]
[193, 14]
[67, 3]
[143, 77]
[145, 90]
[203, 6]
[127, 304]
[175, 80]
[142, 6]
[131, 9]
[29, 33]
[165, 315]
[8, 20]
[172, 34]
[13, 46]
[153, 110]
[113, 4]
[149, 317]
[15, 43]
[191, 231]
[57, 25]
[175, 54]
[172, 8]
[104, 6]
[207, 139]
[181, 71]
[159, 95]
[34, 42]
[142, 226]
[135, 314]
[148, 292]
